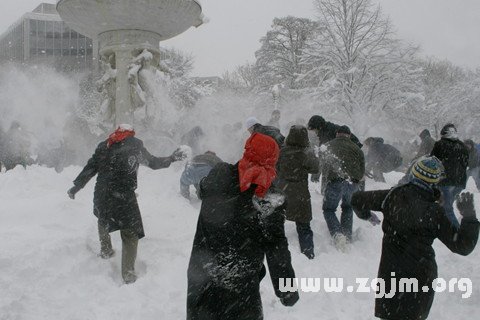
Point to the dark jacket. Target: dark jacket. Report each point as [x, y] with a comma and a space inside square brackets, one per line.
[270, 131]
[114, 201]
[296, 161]
[230, 244]
[473, 154]
[342, 160]
[412, 221]
[328, 132]
[382, 156]
[426, 146]
[454, 157]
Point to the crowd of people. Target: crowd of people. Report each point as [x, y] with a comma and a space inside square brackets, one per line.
[244, 207]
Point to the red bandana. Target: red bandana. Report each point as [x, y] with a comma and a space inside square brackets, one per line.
[119, 135]
[258, 164]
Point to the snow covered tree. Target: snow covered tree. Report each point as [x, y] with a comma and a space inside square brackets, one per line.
[359, 67]
[279, 58]
[452, 94]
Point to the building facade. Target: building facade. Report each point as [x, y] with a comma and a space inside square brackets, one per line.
[41, 37]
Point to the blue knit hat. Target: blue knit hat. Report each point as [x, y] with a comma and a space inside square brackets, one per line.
[428, 169]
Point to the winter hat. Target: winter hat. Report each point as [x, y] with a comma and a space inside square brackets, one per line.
[344, 130]
[258, 163]
[428, 169]
[449, 131]
[250, 122]
[316, 122]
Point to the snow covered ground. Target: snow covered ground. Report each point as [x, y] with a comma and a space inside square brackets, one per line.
[49, 268]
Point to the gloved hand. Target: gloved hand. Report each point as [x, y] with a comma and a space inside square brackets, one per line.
[374, 220]
[465, 205]
[72, 191]
[290, 299]
[178, 155]
[263, 206]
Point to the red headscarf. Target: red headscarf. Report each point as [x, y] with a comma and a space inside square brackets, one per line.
[258, 163]
[123, 131]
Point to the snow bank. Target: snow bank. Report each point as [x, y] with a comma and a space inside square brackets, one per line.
[50, 269]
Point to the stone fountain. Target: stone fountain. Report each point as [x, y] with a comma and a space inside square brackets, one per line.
[129, 33]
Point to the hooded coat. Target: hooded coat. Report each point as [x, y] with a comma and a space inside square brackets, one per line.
[114, 200]
[296, 161]
[412, 221]
[454, 156]
[230, 244]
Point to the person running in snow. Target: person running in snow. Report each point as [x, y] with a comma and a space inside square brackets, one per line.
[413, 219]
[454, 156]
[196, 170]
[343, 165]
[16, 146]
[253, 125]
[296, 161]
[473, 161]
[381, 158]
[115, 162]
[241, 221]
[325, 131]
[426, 146]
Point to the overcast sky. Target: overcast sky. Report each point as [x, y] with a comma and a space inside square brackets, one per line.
[444, 28]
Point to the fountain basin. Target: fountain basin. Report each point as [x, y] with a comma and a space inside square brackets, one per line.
[165, 18]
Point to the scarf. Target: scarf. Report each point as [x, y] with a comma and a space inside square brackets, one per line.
[120, 134]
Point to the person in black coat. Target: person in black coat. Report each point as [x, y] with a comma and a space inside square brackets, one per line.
[454, 155]
[473, 161]
[327, 131]
[426, 146]
[115, 162]
[381, 158]
[241, 221]
[413, 219]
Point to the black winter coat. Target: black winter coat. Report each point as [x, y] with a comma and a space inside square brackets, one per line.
[296, 161]
[426, 146]
[454, 156]
[114, 201]
[412, 221]
[382, 156]
[230, 244]
[329, 132]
